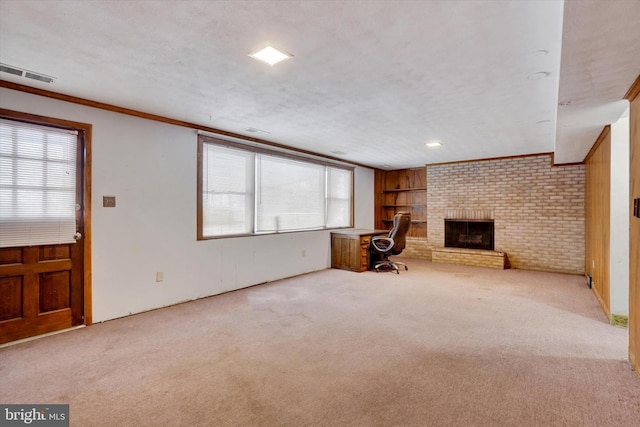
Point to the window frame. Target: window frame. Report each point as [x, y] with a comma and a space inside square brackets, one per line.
[206, 139]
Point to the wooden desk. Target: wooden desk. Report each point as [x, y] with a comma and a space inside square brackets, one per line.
[350, 248]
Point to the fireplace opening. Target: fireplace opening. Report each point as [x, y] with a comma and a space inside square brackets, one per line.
[468, 234]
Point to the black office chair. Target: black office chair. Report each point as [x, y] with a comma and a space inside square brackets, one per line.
[393, 244]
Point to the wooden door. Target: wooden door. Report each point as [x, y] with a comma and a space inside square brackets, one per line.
[634, 251]
[42, 287]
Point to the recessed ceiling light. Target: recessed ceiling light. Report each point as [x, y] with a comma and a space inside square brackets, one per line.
[338, 153]
[541, 52]
[539, 75]
[543, 121]
[433, 144]
[270, 55]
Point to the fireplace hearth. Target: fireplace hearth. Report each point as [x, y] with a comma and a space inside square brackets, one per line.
[469, 234]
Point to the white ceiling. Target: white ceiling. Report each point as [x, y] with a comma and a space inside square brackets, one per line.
[373, 79]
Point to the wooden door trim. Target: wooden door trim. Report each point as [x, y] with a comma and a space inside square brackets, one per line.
[634, 90]
[86, 129]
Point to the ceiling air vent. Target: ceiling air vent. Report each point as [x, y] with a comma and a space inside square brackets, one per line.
[10, 70]
[254, 130]
[39, 77]
[25, 73]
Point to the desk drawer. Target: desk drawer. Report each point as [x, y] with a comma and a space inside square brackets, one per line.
[365, 241]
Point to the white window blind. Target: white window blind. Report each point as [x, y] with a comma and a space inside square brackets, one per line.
[251, 190]
[290, 194]
[227, 190]
[37, 184]
[339, 197]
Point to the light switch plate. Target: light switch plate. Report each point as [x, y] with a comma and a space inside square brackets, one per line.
[108, 201]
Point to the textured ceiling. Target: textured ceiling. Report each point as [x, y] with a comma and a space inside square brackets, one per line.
[372, 79]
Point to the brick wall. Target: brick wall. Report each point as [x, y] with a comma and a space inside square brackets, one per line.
[538, 209]
[417, 247]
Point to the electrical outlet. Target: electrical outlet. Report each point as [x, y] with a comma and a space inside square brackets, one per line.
[159, 276]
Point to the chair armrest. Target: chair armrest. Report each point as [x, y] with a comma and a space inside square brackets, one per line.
[382, 244]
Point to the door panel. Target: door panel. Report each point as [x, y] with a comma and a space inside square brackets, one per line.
[11, 301]
[54, 291]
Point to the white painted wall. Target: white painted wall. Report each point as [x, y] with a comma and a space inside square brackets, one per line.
[619, 232]
[363, 192]
[151, 169]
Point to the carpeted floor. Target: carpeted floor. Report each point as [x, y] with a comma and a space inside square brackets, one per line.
[438, 345]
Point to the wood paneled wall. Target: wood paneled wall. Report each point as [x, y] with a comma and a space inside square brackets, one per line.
[634, 224]
[597, 215]
[378, 199]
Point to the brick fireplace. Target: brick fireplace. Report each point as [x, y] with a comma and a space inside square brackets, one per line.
[469, 239]
[537, 210]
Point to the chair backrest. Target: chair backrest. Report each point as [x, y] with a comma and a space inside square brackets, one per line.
[401, 223]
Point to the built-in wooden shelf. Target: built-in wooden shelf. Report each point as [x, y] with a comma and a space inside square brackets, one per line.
[402, 190]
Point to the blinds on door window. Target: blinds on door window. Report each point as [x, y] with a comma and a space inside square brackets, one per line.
[37, 184]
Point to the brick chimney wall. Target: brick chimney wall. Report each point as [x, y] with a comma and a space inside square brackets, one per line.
[538, 209]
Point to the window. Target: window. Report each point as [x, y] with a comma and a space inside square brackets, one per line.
[339, 185]
[290, 194]
[247, 190]
[37, 184]
[227, 190]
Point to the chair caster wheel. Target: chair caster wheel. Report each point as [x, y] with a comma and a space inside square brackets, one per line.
[406, 268]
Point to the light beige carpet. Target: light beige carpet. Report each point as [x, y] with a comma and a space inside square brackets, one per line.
[438, 345]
